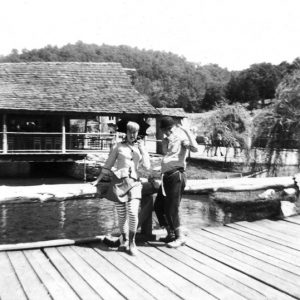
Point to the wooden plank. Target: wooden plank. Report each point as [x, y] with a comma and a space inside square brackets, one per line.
[10, 287]
[275, 290]
[178, 285]
[154, 287]
[270, 264]
[291, 227]
[49, 243]
[260, 244]
[120, 281]
[262, 238]
[294, 219]
[31, 284]
[97, 282]
[296, 225]
[54, 282]
[238, 184]
[75, 280]
[266, 237]
[254, 288]
[258, 250]
[280, 238]
[199, 279]
[214, 274]
[275, 229]
[284, 228]
[253, 267]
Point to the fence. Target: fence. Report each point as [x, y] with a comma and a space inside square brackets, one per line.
[39, 142]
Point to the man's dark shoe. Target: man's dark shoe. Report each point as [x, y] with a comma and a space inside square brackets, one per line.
[167, 239]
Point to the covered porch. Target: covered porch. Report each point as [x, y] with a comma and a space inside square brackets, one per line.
[45, 108]
[51, 134]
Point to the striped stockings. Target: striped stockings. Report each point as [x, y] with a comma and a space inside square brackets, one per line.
[132, 207]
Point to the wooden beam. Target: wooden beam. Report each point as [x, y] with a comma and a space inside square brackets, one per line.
[4, 130]
[63, 125]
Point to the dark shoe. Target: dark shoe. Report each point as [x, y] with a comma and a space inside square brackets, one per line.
[111, 243]
[178, 242]
[124, 246]
[167, 239]
[124, 243]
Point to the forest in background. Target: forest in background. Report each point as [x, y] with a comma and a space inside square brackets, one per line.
[169, 80]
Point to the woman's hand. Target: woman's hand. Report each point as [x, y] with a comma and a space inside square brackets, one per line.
[141, 146]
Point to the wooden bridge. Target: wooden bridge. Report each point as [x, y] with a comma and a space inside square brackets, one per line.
[244, 260]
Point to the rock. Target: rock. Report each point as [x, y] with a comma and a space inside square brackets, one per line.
[288, 208]
[268, 194]
[289, 191]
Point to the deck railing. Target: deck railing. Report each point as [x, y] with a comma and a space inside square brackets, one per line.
[54, 142]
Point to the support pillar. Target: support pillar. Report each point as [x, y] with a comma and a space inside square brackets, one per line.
[63, 129]
[4, 130]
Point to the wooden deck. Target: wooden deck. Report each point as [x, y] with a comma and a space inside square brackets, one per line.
[244, 260]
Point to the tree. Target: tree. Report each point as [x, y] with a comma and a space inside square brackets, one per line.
[214, 95]
[165, 78]
[281, 128]
[258, 82]
[234, 123]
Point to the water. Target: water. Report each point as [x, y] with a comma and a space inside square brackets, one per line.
[75, 219]
[29, 222]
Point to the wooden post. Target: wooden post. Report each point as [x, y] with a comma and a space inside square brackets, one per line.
[63, 126]
[84, 170]
[85, 140]
[4, 130]
[159, 136]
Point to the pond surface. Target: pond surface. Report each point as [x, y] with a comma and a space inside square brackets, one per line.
[28, 222]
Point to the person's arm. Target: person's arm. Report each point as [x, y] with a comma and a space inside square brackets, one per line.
[108, 164]
[192, 145]
[165, 143]
[103, 172]
[145, 155]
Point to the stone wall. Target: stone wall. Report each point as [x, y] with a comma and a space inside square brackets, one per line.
[87, 169]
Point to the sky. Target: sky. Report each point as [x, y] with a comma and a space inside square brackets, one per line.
[231, 33]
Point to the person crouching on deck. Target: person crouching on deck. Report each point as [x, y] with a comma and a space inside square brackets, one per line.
[125, 188]
[175, 148]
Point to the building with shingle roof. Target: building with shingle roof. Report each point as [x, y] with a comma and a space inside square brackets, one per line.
[39, 102]
[175, 112]
[70, 87]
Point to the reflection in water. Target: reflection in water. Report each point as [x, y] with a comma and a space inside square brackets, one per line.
[3, 220]
[26, 222]
[62, 211]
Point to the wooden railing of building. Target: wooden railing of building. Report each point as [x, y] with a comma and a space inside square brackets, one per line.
[54, 142]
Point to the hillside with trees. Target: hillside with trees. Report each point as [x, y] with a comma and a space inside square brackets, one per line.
[170, 80]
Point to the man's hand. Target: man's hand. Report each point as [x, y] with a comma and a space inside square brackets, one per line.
[185, 144]
[94, 183]
[185, 126]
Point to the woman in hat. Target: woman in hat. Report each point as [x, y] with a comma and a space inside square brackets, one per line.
[125, 188]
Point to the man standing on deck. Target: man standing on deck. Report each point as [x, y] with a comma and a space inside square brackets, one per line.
[175, 148]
